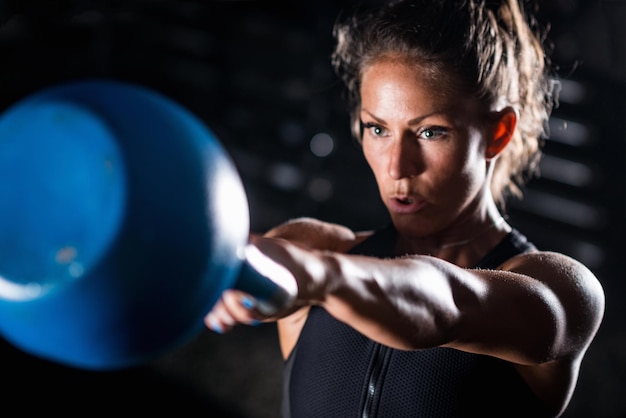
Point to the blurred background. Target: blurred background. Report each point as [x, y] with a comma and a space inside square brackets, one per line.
[258, 73]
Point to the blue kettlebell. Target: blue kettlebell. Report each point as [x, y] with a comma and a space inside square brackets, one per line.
[122, 220]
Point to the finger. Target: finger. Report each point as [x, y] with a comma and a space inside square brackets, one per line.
[218, 320]
[241, 307]
[233, 307]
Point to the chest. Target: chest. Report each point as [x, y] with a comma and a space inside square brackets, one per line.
[337, 372]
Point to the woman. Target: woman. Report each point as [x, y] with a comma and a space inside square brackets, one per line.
[449, 311]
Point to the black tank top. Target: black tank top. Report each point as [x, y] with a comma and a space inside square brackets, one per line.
[336, 372]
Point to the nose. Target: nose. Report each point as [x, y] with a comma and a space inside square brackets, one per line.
[404, 158]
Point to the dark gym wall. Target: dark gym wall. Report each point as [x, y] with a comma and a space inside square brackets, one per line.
[258, 73]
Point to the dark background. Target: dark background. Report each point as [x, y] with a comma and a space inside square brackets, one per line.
[258, 73]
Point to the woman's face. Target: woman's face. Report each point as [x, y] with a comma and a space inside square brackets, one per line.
[425, 147]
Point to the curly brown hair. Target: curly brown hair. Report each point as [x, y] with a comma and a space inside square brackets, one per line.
[493, 50]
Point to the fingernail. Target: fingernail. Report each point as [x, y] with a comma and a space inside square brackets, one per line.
[215, 326]
[247, 302]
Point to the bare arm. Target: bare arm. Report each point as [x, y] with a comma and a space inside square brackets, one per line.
[317, 235]
[535, 308]
[419, 302]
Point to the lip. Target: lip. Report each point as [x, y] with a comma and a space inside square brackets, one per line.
[405, 204]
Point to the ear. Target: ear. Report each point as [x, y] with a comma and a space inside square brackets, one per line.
[502, 132]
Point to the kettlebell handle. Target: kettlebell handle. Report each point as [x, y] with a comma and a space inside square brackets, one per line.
[271, 284]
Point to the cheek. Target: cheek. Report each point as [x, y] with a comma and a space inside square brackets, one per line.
[471, 168]
[458, 170]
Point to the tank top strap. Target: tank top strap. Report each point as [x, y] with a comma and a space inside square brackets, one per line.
[514, 243]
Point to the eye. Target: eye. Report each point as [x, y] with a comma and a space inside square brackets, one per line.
[432, 132]
[374, 129]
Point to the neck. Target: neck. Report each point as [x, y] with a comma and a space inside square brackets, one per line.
[464, 246]
[465, 241]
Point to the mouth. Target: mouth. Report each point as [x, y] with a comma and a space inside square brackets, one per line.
[402, 204]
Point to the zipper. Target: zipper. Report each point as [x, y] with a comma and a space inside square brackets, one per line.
[374, 381]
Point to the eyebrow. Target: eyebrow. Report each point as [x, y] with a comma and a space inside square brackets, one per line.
[415, 120]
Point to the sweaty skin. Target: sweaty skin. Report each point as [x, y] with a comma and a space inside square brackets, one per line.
[432, 158]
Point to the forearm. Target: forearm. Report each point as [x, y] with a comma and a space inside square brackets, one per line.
[406, 303]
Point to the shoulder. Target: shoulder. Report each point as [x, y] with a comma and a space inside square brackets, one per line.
[317, 234]
[573, 285]
[554, 269]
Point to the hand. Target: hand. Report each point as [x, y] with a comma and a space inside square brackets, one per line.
[260, 273]
[238, 307]
[234, 307]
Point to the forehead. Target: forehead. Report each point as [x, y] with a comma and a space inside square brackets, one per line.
[393, 85]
